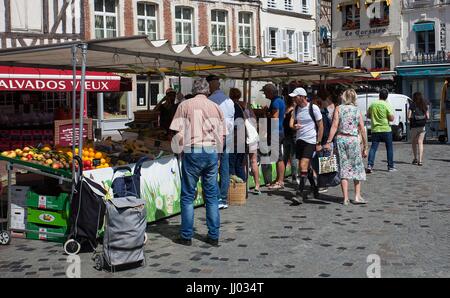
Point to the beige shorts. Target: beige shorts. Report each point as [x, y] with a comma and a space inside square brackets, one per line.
[416, 131]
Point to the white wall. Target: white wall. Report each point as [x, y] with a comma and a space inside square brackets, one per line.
[287, 22]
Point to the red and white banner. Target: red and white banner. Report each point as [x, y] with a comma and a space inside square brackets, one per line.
[35, 79]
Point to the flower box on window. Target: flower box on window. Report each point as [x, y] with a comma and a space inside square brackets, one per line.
[350, 25]
[375, 22]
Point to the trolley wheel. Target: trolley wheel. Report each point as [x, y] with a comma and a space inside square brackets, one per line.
[72, 247]
[442, 139]
[5, 238]
[99, 262]
[145, 238]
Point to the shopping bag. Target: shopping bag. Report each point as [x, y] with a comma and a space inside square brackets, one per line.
[327, 164]
[252, 133]
[331, 179]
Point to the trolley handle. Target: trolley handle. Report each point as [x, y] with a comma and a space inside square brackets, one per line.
[79, 161]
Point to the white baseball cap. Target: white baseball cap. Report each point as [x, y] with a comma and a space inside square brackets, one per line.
[298, 92]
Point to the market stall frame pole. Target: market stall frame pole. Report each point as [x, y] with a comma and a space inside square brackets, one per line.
[74, 102]
[248, 100]
[84, 48]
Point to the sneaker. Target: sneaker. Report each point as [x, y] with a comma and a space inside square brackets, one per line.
[256, 191]
[223, 206]
[369, 170]
[323, 189]
[392, 170]
[212, 242]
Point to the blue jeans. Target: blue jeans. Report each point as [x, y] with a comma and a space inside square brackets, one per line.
[193, 166]
[224, 173]
[385, 137]
[237, 165]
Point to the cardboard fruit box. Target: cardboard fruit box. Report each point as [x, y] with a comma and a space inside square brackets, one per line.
[46, 202]
[46, 233]
[46, 217]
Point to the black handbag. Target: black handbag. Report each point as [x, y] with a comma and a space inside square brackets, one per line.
[325, 180]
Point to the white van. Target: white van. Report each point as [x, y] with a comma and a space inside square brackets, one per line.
[400, 105]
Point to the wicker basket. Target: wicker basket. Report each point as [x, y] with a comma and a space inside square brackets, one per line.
[237, 193]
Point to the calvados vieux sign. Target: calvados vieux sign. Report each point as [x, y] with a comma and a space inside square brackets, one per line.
[32, 84]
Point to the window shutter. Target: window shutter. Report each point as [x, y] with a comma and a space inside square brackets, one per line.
[267, 42]
[300, 54]
[284, 48]
[313, 45]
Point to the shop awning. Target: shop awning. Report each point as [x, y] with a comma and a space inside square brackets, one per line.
[379, 47]
[424, 70]
[423, 27]
[43, 79]
[353, 2]
[346, 50]
[388, 2]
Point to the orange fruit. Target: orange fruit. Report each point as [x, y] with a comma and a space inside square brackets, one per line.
[91, 149]
[91, 154]
[106, 165]
[98, 155]
[102, 161]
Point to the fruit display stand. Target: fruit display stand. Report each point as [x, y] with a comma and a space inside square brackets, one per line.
[61, 175]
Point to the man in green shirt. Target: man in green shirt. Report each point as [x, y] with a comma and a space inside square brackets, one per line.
[380, 113]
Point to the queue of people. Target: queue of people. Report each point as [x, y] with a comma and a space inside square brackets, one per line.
[211, 129]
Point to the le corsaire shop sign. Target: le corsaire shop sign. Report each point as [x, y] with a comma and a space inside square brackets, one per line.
[30, 79]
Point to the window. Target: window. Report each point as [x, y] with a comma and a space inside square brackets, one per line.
[305, 6]
[105, 18]
[288, 5]
[351, 59]
[381, 59]
[426, 42]
[219, 30]
[183, 25]
[26, 15]
[350, 17]
[245, 33]
[290, 41]
[142, 93]
[146, 18]
[273, 42]
[383, 18]
[115, 105]
[272, 3]
[306, 42]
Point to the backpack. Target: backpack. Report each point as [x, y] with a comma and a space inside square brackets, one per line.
[418, 118]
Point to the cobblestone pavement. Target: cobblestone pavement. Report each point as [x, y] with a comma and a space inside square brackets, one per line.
[406, 223]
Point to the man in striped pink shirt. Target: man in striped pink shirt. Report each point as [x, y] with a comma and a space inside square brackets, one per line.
[200, 128]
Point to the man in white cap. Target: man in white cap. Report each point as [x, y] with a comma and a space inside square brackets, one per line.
[307, 121]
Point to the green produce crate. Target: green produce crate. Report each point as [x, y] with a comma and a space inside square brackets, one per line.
[57, 203]
[46, 217]
[39, 232]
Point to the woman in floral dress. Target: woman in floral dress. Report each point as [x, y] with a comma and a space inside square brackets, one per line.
[349, 125]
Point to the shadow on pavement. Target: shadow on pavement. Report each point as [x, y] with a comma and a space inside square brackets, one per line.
[444, 160]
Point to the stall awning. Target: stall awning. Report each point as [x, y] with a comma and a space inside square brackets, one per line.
[388, 2]
[379, 47]
[43, 79]
[423, 27]
[346, 50]
[353, 2]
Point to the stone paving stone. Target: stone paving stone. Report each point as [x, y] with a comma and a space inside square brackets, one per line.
[405, 222]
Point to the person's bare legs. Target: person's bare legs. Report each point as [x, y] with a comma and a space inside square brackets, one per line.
[357, 190]
[420, 139]
[280, 172]
[255, 169]
[414, 146]
[344, 187]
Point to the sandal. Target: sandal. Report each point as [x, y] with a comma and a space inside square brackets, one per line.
[361, 201]
[256, 191]
[276, 185]
[414, 162]
[420, 164]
